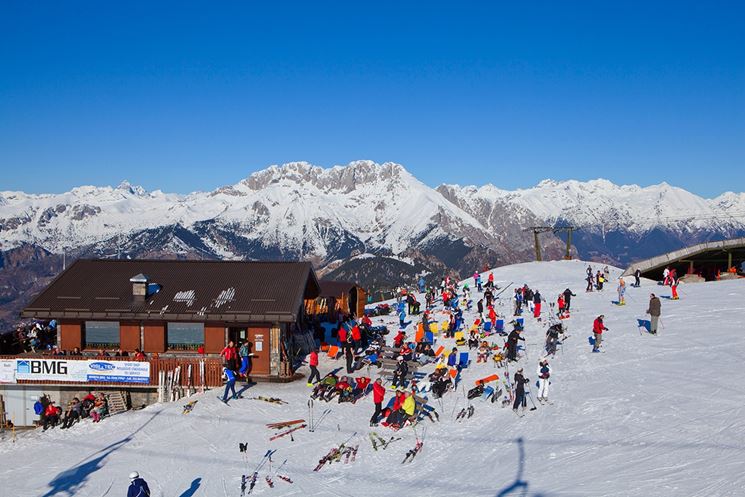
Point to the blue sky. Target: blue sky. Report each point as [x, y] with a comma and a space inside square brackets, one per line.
[189, 96]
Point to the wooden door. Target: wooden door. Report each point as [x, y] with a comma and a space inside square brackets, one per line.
[260, 346]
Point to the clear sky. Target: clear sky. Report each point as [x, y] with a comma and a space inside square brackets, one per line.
[189, 96]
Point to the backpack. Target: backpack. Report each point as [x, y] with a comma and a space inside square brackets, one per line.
[545, 372]
[38, 408]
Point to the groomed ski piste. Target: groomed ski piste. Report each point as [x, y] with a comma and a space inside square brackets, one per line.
[652, 416]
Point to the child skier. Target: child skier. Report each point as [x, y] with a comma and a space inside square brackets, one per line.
[230, 384]
[137, 486]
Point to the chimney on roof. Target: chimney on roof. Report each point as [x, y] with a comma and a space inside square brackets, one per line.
[139, 286]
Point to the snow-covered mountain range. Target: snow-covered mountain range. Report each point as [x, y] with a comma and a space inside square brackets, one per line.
[364, 220]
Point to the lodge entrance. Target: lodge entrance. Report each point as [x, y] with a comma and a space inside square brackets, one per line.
[258, 339]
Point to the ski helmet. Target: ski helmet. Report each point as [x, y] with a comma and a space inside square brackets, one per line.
[133, 475]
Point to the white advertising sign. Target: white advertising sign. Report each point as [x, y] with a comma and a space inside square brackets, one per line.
[118, 371]
[8, 371]
[81, 370]
[50, 370]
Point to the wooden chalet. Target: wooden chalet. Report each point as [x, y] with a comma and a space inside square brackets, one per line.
[181, 308]
[335, 298]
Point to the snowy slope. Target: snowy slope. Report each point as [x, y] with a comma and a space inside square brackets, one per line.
[653, 416]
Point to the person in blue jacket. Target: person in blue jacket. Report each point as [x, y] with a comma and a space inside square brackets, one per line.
[137, 486]
[230, 384]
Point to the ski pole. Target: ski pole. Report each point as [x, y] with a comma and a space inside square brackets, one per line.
[530, 396]
[310, 414]
[323, 416]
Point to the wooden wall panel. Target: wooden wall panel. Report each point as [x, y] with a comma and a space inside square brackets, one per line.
[155, 337]
[71, 335]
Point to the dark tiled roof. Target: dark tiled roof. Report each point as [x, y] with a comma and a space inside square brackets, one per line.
[331, 288]
[189, 291]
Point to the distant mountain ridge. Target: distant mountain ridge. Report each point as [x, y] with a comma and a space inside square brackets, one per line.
[375, 222]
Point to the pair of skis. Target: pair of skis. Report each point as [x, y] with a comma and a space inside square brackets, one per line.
[380, 442]
[189, 407]
[288, 432]
[334, 454]
[249, 482]
[286, 424]
[411, 454]
[465, 413]
[271, 400]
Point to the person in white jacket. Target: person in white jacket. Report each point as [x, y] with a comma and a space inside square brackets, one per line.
[543, 372]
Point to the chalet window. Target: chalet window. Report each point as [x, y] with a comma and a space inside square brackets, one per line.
[101, 335]
[185, 336]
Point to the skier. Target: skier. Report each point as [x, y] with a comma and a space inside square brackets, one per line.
[637, 277]
[552, 337]
[654, 310]
[518, 302]
[378, 398]
[597, 330]
[665, 276]
[589, 279]
[313, 363]
[560, 305]
[402, 317]
[137, 486]
[599, 280]
[568, 298]
[399, 377]
[537, 305]
[512, 344]
[349, 359]
[674, 285]
[519, 383]
[245, 355]
[543, 372]
[621, 292]
[480, 308]
[229, 384]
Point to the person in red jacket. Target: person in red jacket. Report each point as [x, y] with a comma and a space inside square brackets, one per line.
[597, 330]
[51, 415]
[367, 321]
[378, 398]
[342, 335]
[230, 355]
[356, 337]
[313, 363]
[399, 339]
[492, 317]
